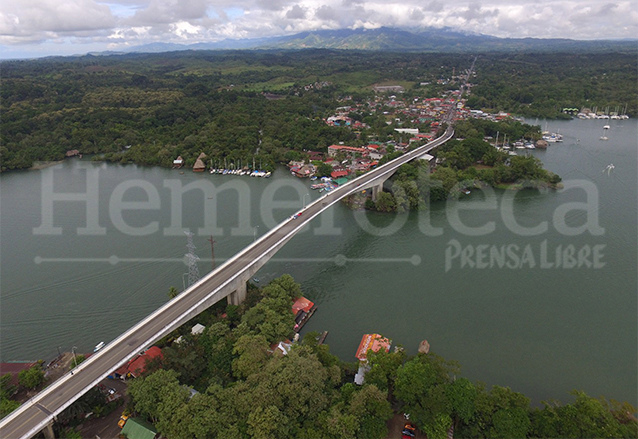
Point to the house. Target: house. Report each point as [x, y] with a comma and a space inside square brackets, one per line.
[413, 131]
[137, 366]
[315, 156]
[303, 171]
[374, 343]
[199, 163]
[281, 348]
[199, 166]
[197, 329]
[137, 428]
[334, 149]
[369, 342]
[339, 173]
[302, 309]
[178, 162]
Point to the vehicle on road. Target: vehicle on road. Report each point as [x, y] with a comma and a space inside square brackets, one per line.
[409, 431]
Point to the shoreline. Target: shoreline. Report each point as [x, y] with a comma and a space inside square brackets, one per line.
[43, 165]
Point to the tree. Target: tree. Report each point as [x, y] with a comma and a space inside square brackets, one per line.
[324, 170]
[7, 406]
[383, 368]
[372, 409]
[172, 292]
[385, 202]
[252, 354]
[7, 390]
[586, 417]
[297, 384]
[421, 385]
[462, 395]
[32, 377]
[157, 395]
[77, 360]
[510, 423]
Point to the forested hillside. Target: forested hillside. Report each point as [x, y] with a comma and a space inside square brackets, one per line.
[183, 103]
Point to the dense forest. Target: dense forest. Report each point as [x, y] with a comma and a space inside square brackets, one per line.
[267, 105]
[245, 390]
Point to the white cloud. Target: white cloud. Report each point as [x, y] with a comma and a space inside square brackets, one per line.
[38, 20]
[132, 22]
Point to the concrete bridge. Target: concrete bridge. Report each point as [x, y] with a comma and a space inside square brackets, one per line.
[227, 281]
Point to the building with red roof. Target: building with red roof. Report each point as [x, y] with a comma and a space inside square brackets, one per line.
[137, 365]
[369, 342]
[339, 173]
[374, 343]
[302, 304]
[302, 309]
[334, 149]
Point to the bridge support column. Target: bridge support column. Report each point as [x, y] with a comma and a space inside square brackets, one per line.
[376, 190]
[48, 431]
[239, 295]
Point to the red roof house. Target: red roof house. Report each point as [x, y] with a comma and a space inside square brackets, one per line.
[137, 366]
[338, 174]
[302, 304]
[372, 342]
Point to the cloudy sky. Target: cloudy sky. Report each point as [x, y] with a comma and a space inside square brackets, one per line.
[33, 28]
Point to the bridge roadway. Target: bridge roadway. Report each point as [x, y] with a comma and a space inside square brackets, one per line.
[39, 411]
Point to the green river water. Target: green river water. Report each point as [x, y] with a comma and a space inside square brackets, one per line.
[504, 310]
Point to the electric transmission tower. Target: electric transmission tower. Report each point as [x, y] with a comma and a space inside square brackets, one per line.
[193, 271]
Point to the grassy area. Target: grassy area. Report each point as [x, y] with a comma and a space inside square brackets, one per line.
[268, 86]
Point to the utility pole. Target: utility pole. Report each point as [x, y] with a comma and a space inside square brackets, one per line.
[212, 249]
[193, 271]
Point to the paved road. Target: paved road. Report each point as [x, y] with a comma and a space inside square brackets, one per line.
[36, 413]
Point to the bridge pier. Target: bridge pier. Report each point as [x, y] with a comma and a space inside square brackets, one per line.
[376, 190]
[48, 431]
[239, 295]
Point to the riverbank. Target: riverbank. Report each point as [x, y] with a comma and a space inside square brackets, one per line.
[43, 165]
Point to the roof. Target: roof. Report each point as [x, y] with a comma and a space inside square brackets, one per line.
[199, 164]
[136, 428]
[347, 148]
[138, 365]
[372, 342]
[302, 304]
[337, 174]
[341, 181]
[197, 329]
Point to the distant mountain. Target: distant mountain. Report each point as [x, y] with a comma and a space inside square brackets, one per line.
[383, 39]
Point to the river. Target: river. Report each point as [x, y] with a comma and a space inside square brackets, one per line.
[483, 286]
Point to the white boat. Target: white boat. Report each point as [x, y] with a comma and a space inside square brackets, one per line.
[99, 346]
[606, 127]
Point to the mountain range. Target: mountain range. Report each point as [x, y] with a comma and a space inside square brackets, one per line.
[392, 39]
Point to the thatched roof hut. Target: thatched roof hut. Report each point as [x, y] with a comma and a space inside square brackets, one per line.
[199, 166]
